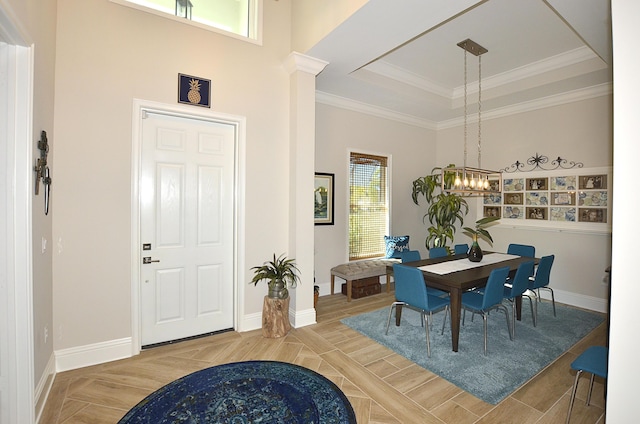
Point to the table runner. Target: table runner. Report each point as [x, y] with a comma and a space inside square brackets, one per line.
[461, 264]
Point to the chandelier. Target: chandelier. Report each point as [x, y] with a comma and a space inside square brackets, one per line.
[468, 180]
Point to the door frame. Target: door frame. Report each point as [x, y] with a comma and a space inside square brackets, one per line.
[140, 108]
[16, 331]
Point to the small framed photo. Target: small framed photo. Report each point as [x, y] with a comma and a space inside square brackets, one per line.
[592, 215]
[513, 212]
[492, 211]
[194, 90]
[513, 199]
[537, 213]
[563, 198]
[513, 184]
[588, 182]
[323, 199]
[537, 183]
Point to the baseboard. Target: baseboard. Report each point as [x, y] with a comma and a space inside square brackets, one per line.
[250, 322]
[43, 388]
[578, 300]
[97, 353]
[302, 318]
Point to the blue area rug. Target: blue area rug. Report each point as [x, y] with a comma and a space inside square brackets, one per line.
[246, 392]
[508, 364]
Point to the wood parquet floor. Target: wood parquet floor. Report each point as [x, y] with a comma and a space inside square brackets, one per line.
[382, 386]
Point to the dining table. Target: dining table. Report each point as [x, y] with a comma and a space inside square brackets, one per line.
[456, 274]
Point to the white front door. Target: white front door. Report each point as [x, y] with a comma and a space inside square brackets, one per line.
[186, 227]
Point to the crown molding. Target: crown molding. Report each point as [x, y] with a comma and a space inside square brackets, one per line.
[300, 62]
[550, 101]
[353, 105]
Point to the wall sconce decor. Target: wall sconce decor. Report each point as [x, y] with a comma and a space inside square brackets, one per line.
[42, 170]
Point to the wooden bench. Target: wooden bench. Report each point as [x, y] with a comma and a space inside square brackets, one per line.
[361, 269]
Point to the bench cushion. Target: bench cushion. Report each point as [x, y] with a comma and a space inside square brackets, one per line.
[362, 269]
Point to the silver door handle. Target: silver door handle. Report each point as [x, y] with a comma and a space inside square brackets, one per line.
[148, 260]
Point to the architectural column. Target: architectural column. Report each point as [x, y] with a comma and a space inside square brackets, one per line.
[302, 132]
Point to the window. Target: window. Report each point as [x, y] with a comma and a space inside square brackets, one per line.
[369, 205]
[237, 17]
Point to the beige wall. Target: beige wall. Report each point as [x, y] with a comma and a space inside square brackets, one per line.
[108, 55]
[338, 131]
[313, 19]
[579, 131]
[37, 19]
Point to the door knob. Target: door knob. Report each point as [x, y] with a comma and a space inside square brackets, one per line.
[148, 260]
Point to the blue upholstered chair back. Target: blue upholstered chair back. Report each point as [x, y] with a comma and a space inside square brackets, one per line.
[461, 248]
[438, 252]
[410, 286]
[520, 282]
[494, 290]
[543, 273]
[410, 255]
[521, 250]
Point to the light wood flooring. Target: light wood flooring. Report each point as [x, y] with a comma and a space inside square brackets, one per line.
[382, 386]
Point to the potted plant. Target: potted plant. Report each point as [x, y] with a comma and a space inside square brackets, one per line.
[279, 273]
[445, 209]
[475, 253]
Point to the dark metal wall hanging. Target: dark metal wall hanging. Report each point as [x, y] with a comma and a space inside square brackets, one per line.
[539, 161]
[42, 170]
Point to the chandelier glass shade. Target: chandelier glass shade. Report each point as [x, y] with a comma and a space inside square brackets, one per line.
[466, 180]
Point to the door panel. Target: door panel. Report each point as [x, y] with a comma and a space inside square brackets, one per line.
[186, 198]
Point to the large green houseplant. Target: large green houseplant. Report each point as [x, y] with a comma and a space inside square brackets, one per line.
[279, 273]
[444, 210]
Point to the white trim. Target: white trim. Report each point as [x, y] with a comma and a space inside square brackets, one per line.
[140, 107]
[549, 101]
[578, 300]
[93, 354]
[43, 388]
[302, 318]
[17, 355]
[253, 38]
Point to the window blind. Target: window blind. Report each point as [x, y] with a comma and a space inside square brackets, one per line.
[369, 205]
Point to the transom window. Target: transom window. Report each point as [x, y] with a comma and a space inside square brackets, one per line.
[369, 205]
[237, 17]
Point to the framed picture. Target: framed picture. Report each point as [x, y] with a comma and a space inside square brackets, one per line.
[492, 211]
[563, 198]
[593, 215]
[194, 90]
[537, 213]
[536, 183]
[513, 199]
[323, 199]
[587, 182]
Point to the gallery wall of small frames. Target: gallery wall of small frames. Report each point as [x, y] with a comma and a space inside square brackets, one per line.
[564, 198]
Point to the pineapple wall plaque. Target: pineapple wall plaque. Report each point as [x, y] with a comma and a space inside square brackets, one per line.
[194, 90]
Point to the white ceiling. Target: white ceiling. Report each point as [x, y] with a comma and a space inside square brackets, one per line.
[400, 58]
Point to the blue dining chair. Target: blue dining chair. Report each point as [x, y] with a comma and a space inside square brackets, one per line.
[541, 281]
[491, 298]
[516, 287]
[412, 256]
[438, 252]
[411, 292]
[521, 250]
[461, 248]
[594, 361]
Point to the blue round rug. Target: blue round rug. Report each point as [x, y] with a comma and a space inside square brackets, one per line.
[246, 392]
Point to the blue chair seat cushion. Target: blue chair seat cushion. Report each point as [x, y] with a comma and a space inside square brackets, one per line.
[472, 300]
[593, 360]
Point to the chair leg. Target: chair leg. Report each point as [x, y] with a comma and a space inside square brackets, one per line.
[593, 376]
[573, 395]
[484, 318]
[553, 299]
[446, 311]
[427, 333]
[393, 305]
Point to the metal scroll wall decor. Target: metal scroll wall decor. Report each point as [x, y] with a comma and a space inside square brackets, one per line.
[539, 161]
[42, 170]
